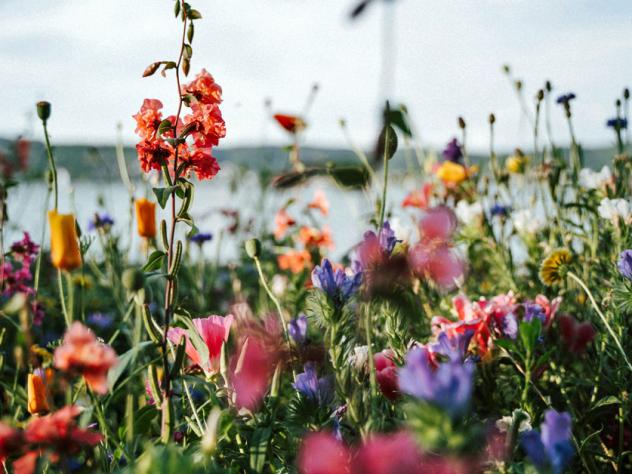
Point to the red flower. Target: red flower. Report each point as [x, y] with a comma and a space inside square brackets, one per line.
[11, 441]
[81, 353]
[419, 198]
[294, 260]
[575, 335]
[291, 123]
[148, 118]
[389, 454]
[282, 222]
[204, 88]
[386, 373]
[204, 164]
[153, 154]
[315, 238]
[319, 202]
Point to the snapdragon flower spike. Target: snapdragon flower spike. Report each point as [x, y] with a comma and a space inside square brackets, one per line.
[318, 390]
[297, 328]
[335, 283]
[449, 386]
[551, 447]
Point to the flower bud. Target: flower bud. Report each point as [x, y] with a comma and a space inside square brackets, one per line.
[540, 95]
[492, 119]
[133, 279]
[626, 93]
[64, 244]
[43, 110]
[618, 103]
[146, 218]
[548, 86]
[461, 122]
[253, 248]
[36, 395]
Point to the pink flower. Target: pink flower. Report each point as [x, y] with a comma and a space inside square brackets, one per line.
[439, 223]
[148, 118]
[204, 88]
[549, 307]
[82, 354]
[386, 373]
[214, 331]
[319, 202]
[389, 454]
[251, 369]
[576, 335]
[321, 453]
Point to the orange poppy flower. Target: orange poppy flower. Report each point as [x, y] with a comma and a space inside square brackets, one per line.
[294, 260]
[64, 244]
[282, 221]
[311, 237]
[146, 218]
[419, 198]
[36, 395]
[291, 123]
[319, 202]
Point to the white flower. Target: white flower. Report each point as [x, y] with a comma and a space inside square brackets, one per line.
[359, 357]
[468, 213]
[590, 179]
[279, 284]
[526, 221]
[614, 208]
[506, 422]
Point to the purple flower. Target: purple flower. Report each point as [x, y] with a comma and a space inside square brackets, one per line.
[551, 447]
[452, 151]
[100, 221]
[510, 325]
[336, 284]
[455, 347]
[200, 238]
[25, 250]
[298, 329]
[449, 386]
[565, 98]
[374, 248]
[625, 264]
[100, 320]
[320, 390]
[533, 310]
[500, 210]
[617, 123]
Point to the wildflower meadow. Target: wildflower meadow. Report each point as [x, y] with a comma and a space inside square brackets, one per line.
[481, 324]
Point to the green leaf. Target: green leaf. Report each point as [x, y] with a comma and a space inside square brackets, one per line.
[123, 363]
[350, 176]
[155, 261]
[259, 448]
[165, 126]
[609, 400]
[163, 194]
[397, 118]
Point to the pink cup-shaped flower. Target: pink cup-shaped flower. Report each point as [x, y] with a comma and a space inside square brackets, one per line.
[389, 454]
[439, 223]
[437, 262]
[321, 453]
[214, 331]
[251, 370]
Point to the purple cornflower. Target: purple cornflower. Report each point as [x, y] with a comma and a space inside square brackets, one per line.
[500, 210]
[100, 221]
[551, 446]
[617, 123]
[566, 98]
[336, 284]
[455, 347]
[534, 310]
[452, 152]
[298, 329]
[100, 320]
[625, 264]
[449, 386]
[200, 238]
[320, 390]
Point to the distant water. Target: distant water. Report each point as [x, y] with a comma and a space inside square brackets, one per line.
[347, 219]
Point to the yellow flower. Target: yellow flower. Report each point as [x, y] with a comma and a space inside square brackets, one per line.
[146, 218]
[553, 268]
[517, 164]
[452, 173]
[36, 392]
[64, 245]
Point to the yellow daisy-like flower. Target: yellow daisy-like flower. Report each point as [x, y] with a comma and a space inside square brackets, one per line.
[451, 173]
[553, 268]
[517, 164]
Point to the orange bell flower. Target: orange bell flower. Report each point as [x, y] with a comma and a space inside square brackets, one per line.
[64, 244]
[146, 218]
[36, 394]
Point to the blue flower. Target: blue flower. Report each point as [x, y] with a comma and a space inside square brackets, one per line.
[319, 390]
[298, 329]
[100, 221]
[455, 347]
[100, 320]
[617, 123]
[200, 238]
[625, 264]
[533, 310]
[551, 447]
[565, 98]
[452, 151]
[449, 386]
[336, 284]
[500, 210]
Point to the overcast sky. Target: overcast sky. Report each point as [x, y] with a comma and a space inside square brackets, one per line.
[87, 56]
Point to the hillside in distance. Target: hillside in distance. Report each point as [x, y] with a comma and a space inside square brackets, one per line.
[98, 162]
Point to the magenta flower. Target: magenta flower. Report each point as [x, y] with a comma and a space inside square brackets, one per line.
[214, 331]
[386, 373]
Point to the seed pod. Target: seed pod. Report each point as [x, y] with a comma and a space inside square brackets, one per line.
[253, 248]
[43, 110]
